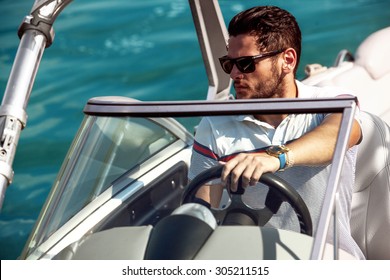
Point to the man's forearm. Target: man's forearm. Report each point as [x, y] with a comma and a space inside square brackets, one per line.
[317, 146]
[211, 194]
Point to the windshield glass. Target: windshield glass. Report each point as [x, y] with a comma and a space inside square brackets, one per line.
[105, 148]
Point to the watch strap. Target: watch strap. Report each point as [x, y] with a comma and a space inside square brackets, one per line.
[289, 159]
[282, 161]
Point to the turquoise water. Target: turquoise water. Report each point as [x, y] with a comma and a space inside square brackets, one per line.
[141, 49]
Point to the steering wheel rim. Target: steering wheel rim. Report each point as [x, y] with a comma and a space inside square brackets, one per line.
[279, 191]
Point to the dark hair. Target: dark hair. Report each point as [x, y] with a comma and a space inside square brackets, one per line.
[274, 28]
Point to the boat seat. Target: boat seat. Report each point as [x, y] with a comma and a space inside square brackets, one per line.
[369, 75]
[370, 217]
[373, 54]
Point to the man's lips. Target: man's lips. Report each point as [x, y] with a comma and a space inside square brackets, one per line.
[239, 87]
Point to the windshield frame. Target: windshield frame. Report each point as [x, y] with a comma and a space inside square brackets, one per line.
[127, 107]
[346, 105]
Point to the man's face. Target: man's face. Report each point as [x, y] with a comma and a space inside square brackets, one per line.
[265, 82]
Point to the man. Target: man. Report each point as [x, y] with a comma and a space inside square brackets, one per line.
[263, 53]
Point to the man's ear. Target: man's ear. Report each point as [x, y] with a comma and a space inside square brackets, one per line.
[289, 60]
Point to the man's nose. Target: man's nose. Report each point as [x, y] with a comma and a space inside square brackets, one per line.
[236, 73]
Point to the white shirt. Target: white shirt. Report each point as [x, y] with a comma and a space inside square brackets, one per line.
[221, 138]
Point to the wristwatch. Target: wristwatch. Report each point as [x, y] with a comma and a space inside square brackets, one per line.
[283, 154]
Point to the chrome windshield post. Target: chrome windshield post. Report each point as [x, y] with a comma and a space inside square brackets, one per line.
[329, 204]
[36, 34]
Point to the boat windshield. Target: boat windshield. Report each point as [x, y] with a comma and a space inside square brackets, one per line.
[105, 149]
[124, 160]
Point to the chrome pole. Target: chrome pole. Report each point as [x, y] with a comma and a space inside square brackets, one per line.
[36, 34]
[329, 205]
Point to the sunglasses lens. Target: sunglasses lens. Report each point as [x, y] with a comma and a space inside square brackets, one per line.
[227, 65]
[245, 65]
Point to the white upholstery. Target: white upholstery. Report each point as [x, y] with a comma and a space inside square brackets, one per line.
[373, 54]
[370, 220]
[368, 77]
[373, 95]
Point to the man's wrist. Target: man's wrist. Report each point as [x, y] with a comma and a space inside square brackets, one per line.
[283, 154]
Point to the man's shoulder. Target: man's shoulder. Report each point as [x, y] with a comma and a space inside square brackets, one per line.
[310, 91]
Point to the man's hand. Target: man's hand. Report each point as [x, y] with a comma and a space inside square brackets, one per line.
[250, 167]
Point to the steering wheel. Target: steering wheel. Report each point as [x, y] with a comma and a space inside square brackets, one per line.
[279, 191]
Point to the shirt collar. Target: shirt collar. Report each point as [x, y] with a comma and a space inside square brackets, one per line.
[251, 118]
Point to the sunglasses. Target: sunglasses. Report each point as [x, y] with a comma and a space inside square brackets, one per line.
[246, 64]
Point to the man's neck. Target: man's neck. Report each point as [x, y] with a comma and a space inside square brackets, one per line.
[291, 91]
[273, 120]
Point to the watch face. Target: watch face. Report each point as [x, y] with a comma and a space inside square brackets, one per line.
[274, 149]
[277, 150]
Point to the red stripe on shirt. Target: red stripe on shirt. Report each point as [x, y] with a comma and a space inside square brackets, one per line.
[203, 150]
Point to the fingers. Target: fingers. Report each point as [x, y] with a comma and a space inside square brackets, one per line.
[247, 166]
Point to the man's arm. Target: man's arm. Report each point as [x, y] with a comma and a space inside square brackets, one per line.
[317, 146]
[211, 194]
[312, 149]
